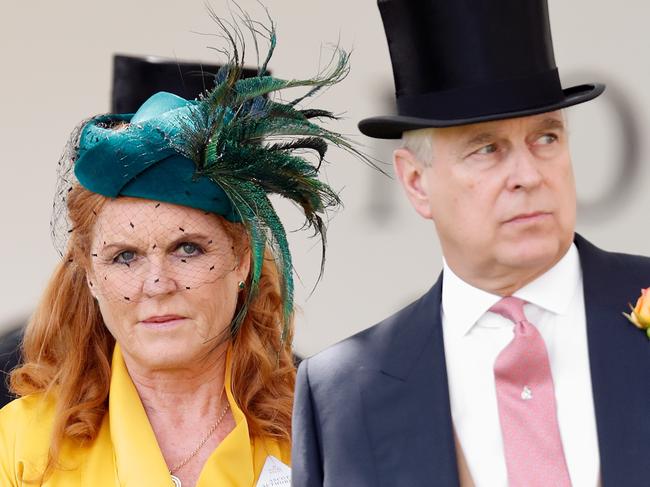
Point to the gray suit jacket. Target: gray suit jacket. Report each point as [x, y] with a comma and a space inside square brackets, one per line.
[374, 409]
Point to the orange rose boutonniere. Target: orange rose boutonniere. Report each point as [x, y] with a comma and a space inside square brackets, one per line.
[640, 315]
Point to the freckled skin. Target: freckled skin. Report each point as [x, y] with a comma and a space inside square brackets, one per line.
[472, 192]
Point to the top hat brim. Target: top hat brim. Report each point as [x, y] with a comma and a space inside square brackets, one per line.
[392, 126]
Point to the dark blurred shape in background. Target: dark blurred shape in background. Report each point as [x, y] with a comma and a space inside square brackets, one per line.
[9, 359]
[137, 78]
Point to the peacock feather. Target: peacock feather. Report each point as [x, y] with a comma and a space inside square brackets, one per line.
[244, 138]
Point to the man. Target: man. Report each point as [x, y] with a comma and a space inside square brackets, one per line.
[517, 367]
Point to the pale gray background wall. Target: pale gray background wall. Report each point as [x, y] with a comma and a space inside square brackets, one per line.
[56, 69]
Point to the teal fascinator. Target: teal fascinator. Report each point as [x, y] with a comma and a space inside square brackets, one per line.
[225, 153]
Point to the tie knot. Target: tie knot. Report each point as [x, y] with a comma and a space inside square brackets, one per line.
[511, 308]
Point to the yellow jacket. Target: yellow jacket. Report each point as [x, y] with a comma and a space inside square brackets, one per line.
[125, 452]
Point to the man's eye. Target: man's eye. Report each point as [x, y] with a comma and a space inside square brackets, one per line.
[487, 149]
[125, 257]
[547, 139]
[190, 249]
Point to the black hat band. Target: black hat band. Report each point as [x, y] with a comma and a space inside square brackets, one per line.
[495, 97]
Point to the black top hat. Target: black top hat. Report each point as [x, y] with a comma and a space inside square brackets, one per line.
[136, 78]
[457, 62]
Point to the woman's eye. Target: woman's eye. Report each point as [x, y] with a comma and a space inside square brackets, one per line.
[190, 249]
[125, 257]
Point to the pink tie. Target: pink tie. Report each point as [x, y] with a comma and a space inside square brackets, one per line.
[526, 400]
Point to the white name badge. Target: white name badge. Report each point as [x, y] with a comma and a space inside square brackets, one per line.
[274, 474]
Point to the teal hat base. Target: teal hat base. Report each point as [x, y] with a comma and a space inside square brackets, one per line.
[140, 159]
[173, 180]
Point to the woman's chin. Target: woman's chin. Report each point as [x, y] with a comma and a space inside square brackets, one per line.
[170, 348]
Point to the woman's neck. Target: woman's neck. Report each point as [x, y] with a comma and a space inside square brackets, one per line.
[195, 390]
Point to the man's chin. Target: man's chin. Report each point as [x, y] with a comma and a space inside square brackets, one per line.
[540, 251]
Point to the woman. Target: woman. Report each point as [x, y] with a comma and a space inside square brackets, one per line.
[160, 353]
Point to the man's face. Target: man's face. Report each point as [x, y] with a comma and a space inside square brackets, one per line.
[501, 194]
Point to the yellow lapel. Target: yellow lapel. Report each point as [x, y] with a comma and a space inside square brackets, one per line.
[138, 458]
[231, 463]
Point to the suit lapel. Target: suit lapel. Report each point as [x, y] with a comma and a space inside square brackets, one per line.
[619, 356]
[406, 400]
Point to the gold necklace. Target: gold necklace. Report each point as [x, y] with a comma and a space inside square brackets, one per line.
[175, 480]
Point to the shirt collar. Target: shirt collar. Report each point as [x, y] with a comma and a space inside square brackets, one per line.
[463, 304]
[554, 290]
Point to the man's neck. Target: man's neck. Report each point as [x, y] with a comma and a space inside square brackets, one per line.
[503, 281]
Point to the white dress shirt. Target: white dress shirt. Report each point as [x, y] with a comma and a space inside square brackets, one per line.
[474, 337]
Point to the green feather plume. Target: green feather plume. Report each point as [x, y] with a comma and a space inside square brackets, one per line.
[251, 145]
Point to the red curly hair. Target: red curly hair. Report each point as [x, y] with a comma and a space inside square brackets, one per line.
[67, 348]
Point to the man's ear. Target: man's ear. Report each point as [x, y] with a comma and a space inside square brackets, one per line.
[411, 174]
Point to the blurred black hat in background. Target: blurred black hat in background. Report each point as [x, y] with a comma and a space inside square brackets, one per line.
[136, 78]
